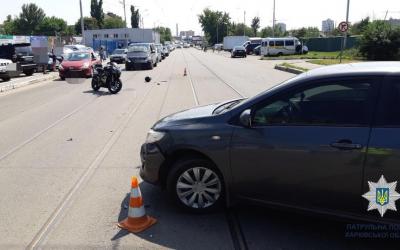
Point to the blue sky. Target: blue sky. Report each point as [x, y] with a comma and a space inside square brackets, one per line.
[169, 12]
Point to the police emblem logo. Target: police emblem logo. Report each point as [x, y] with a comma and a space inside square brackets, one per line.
[382, 196]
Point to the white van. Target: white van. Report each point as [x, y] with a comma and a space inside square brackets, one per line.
[280, 46]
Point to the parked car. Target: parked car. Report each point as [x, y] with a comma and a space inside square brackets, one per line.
[250, 48]
[186, 45]
[179, 46]
[218, 46]
[160, 53]
[3, 69]
[141, 54]
[308, 143]
[166, 51]
[119, 56]
[238, 51]
[50, 65]
[257, 50]
[78, 64]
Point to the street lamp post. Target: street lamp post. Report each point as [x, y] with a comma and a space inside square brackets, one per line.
[273, 21]
[82, 25]
[244, 23]
[217, 32]
[124, 4]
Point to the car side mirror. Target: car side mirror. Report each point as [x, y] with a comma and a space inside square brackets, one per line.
[245, 118]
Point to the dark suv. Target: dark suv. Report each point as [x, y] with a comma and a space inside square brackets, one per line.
[250, 48]
[313, 142]
[21, 55]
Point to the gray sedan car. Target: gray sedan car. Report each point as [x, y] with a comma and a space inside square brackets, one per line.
[314, 143]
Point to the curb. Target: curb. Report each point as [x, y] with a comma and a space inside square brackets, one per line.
[22, 84]
[288, 69]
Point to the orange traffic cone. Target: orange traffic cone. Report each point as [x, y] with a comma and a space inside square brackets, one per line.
[137, 220]
[184, 72]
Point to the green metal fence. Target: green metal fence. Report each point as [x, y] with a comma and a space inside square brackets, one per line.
[329, 44]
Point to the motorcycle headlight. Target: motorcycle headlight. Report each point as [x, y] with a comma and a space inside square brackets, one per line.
[154, 136]
[60, 67]
[85, 65]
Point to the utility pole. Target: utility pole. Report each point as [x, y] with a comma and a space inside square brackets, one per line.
[217, 33]
[244, 23]
[126, 25]
[123, 3]
[82, 25]
[345, 34]
[273, 21]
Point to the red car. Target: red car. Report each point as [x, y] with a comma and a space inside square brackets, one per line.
[78, 64]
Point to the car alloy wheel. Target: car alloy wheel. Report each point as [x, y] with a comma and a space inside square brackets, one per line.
[198, 187]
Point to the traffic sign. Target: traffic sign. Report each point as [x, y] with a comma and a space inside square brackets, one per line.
[343, 26]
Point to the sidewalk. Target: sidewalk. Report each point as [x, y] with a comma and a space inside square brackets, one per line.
[18, 82]
[305, 64]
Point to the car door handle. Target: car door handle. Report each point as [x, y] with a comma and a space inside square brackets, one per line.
[346, 145]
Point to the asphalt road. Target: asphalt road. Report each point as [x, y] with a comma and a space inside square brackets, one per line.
[67, 155]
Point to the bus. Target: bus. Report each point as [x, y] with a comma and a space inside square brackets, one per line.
[272, 46]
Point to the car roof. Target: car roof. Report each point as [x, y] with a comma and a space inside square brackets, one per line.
[368, 68]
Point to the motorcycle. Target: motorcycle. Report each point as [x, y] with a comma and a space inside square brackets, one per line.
[107, 77]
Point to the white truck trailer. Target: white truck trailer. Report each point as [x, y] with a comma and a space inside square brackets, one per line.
[231, 41]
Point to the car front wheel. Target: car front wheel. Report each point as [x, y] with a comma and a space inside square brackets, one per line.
[195, 185]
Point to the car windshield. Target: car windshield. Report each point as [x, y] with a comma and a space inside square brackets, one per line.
[119, 51]
[77, 56]
[23, 50]
[138, 48]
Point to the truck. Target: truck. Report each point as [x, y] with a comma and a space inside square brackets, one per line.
[231, 41]
[20, 60]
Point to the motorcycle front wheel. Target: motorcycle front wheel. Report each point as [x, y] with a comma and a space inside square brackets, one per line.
[95, 84]
[115, 86]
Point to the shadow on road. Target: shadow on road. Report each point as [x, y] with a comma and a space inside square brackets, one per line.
[75, 80]
[97, 93]
[261, 228]
[175, 228]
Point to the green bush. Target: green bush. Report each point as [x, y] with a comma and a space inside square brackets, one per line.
[380, 41]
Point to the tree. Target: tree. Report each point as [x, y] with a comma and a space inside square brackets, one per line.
[380, 41]
[113, 21]
[165, 34]
[268, 32]
[239, 29]
[9, 26]
[308, 32]
[215, 25]
[51, 26]
[255, 25]
[359, 27]
[29, 19]
[135, 17]
[96, 11]
[70, 30]
[89, 24]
